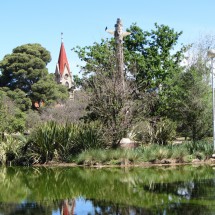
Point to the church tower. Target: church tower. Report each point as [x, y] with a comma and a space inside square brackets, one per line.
[63, 74]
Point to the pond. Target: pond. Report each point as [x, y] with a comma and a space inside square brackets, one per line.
[73, 190]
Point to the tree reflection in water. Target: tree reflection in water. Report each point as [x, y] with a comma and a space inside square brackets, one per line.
[102, 207]
[25, 209]
[48, 191]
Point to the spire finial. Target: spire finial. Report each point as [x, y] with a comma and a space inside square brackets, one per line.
[61, 37]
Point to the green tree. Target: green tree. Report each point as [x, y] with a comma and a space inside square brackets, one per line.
[25, 69]
[47, 90]
[11, 117]
[149, 62]
[187, 101]
[18, 97]
[195, 106]
[108, 103]
[150, 55]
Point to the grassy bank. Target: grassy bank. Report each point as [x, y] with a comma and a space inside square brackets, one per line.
[83, 144]
[182, 153]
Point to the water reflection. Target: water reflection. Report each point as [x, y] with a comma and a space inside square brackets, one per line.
[67, 191]
[67, 207]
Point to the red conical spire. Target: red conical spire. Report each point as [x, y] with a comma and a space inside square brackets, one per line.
[62, 60]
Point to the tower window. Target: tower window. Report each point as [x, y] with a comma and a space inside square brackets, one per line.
[67, 84]
[66, 76]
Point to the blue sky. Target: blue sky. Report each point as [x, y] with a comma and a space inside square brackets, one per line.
[83, 21]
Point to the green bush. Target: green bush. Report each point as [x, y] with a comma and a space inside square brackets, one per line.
[42, 141]
[89, 137]
[54, 141]
[164, 131]
[10, 148]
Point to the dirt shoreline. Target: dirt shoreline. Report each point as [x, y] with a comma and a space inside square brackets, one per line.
[210, 161]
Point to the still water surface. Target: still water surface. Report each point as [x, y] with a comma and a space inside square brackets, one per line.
[68, 190]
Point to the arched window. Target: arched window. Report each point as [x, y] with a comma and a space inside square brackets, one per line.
[67, 84]
[66, 76]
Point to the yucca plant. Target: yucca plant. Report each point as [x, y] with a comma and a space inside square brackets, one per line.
[75, 138]
[66, 140]
[43, 142]
[89, 137]
[51, 140]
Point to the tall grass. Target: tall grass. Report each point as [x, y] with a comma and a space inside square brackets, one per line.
[108, 156]
[180, 153]
[200, 149]
[154, 152]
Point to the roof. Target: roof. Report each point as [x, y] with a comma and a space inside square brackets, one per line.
[62, 60]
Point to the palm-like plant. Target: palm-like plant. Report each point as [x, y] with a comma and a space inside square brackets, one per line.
[9, 146]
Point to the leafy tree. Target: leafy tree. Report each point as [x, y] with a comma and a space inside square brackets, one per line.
[47, 90]
[11, 117]
[149, 55]
[195, 105]
[108, 103]
[18, 97]
[188, 101]
[25, 69]
[149, 63]
[77, 80]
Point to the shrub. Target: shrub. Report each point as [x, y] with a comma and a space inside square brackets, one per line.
[54, 141]
[68, 111]
[89, 137]
[159, 131]
[10, 148]
[42, 142]
[164, 131]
